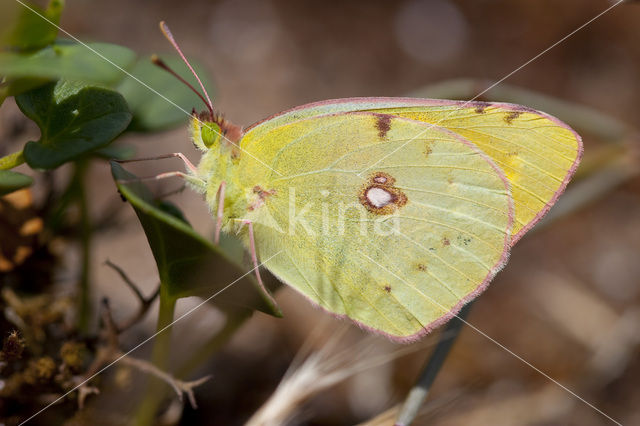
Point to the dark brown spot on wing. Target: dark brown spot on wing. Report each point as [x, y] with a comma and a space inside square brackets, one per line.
[383, 124]
[383, 178]
[464, 240]
[387, 288]
[445, 241]
[422, 267]
[397, 199]
[262, 195]
[509, 117]
[480, 106]
[383, 182]
[427, 149]
[523, 108]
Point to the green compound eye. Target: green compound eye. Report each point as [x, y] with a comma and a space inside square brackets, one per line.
[211, 133]
[205, 134]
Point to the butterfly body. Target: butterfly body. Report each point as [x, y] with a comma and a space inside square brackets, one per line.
[219, 164]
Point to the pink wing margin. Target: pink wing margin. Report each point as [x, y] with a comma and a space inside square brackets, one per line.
[363, 104]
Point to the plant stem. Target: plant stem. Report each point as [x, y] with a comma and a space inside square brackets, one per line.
[420, 390]
[162, 345]
[202, 354]
[160, 357]
[12, 160]
[85, 241]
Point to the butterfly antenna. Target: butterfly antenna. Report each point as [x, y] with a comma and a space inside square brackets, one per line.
[159, 62]
[167, 33]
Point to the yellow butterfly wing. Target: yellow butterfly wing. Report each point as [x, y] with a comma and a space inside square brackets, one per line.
[398, 247]
[537, 152]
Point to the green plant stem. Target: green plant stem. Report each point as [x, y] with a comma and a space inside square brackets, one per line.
[84, 310]
[12, 160]
[149, 406]
[202, 354]
[420, 390]
[160, 357]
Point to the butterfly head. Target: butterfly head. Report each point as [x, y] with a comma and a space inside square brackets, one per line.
[210, 130]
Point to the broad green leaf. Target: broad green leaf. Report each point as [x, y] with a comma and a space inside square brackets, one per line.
[189, 264]
[31, 29]
[151, 111]
[12, 181]
[74, 119]
[94, 62]
[172, 210]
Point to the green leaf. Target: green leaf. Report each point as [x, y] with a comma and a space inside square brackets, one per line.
[189, 264]
[30, 30]
[172, 210]
[151, 111]
[12, 181]
[69, 61]
[74, 119]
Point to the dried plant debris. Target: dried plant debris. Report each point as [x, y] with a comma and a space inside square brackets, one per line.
[12, 347]
[20, 228]
[44, 360]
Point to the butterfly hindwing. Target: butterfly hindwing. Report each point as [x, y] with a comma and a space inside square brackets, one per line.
[390, 221]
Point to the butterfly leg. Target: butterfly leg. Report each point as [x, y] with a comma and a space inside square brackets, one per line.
[219, 215]
[161, 176]
[193, 169]
[188, 177]
[254, 255]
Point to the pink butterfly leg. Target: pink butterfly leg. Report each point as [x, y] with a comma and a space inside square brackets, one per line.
[179, 155]
[219, 215]
[156, 177]
[254, 255]
[252, 240]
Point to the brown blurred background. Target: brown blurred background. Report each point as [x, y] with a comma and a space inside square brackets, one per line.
[568, 301]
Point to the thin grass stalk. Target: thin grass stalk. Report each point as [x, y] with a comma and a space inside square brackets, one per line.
[420, 390]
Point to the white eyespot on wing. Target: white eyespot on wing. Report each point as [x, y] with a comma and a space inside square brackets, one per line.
[379, 197]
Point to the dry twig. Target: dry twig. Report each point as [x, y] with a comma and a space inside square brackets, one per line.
[109, 351]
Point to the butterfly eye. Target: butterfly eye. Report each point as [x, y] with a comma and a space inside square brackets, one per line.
[210, 133]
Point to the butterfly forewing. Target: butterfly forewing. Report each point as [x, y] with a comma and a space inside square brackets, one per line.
[537, 152]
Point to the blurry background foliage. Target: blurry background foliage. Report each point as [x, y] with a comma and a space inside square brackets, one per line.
[568, 302]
